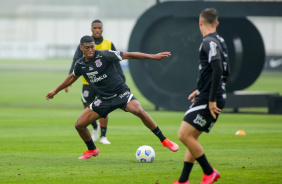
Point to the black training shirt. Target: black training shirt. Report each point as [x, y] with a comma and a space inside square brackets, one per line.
[78, 54]
[100, 72]
[211, 85]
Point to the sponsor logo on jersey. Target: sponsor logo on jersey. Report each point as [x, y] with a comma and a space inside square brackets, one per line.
[97, 102]
[90, 68]
[92, 75]
[99, 78]
[200, 120]
[98, 63]
[94, 78]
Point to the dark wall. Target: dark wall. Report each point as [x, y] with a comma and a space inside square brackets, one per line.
[173, 26]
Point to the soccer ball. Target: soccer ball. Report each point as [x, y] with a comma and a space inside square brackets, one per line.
[145, 154]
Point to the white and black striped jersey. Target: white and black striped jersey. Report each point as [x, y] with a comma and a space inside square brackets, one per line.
[101, 73]
[213, 68]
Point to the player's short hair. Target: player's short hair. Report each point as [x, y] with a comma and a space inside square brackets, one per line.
[86, 39]
[96, 21]
[209, 15]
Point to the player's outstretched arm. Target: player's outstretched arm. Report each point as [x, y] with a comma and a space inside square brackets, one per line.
[67, 82]
[140, 55]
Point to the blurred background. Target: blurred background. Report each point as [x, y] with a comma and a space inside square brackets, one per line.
[42, 35]
[52, 28]
[38, 141]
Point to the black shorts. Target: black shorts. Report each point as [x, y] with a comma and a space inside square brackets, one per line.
[88, 94]
[104, 105]
[199, 116]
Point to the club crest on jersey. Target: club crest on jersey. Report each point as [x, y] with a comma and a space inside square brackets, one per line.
[98, 63]
[200, 120]
[85, 93]
[97, 102]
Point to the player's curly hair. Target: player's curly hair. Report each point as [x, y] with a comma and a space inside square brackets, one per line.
[86, 39]
[96, 21]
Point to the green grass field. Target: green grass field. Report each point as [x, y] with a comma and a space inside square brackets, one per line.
[39, 144]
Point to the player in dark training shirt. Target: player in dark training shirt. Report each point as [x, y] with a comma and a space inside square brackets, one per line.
[88, 94]
[208, 100]
[98, 69]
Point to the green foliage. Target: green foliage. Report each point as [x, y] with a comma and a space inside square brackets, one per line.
[39, 144]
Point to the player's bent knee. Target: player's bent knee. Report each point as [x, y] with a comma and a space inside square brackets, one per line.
[184, 136]
[78, 126]
[139, 112]
[180, 136]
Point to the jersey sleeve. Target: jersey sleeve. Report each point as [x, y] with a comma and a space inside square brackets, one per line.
[77, 55]
[216, 79]
[211, 48]
[77, 70]
[113, 47]
[112, 56]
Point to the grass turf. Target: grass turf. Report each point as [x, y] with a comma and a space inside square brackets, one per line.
[38, 142]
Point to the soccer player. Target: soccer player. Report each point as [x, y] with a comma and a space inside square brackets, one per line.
[88, 94]
[208, 100]
[98, 69]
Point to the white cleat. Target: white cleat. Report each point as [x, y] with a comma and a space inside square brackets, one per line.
[104, 140]
[95, 133]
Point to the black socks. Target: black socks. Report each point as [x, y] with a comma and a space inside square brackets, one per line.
[159, 134]
[94, 124]
[103, 131]
[205, 164]
[90, 145]
[188, 167]
[185, 172]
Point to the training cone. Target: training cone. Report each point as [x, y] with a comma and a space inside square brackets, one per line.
[240, 132]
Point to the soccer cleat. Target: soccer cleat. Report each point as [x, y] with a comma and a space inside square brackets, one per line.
[89, 153]
[170, 145]
[104, 140]
[177, 182]
[95, 133]
[209, 179]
